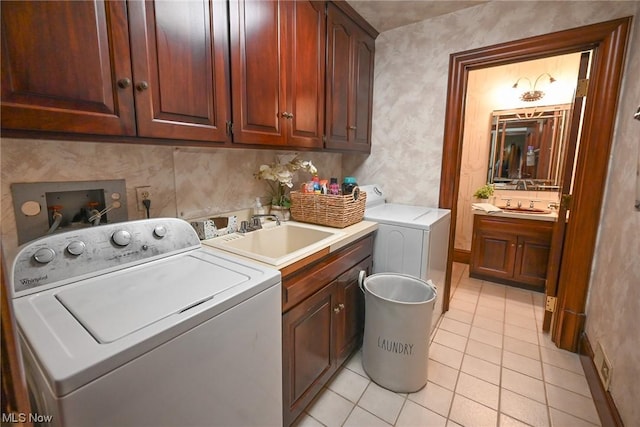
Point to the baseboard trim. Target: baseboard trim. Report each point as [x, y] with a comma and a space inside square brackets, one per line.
[461, 256]
[609, 415]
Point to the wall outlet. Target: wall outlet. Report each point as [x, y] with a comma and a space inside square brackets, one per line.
[142, 193]
[603, 365]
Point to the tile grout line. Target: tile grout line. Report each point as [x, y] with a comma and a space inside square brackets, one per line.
[455, 386]
[504, 327]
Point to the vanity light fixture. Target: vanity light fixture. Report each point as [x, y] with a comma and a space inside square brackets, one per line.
[533, 94]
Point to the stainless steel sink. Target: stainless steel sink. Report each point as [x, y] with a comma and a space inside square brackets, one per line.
[279, 244]
[523, 209]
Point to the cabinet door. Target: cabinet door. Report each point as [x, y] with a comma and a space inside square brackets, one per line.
[305, 55]
[339, 87]
[180, 63]
[493, 254]
[350, 319]
[349, 96]
[308, 338]
[257, 70]
[531, 261]
[363, 98]
[66, 67]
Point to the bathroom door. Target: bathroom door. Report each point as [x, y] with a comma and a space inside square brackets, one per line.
[566, 188]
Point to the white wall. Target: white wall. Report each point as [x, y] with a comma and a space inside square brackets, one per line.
[410, 91]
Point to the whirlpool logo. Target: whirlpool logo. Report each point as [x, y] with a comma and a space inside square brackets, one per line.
[35, 281]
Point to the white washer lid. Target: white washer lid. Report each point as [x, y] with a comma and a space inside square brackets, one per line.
[406, 215]
[111, 307]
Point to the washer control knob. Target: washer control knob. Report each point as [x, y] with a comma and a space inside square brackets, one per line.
[76, 247]
[44, 255]
[121, 237]
[160, 231]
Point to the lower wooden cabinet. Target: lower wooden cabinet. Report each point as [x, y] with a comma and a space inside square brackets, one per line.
[325, 326]
[513, 251]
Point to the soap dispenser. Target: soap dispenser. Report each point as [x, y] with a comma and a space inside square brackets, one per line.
[258, 209]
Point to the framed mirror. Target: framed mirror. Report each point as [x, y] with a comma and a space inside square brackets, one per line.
[527, 147]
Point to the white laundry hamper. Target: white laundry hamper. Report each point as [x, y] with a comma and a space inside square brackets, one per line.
[398, 312]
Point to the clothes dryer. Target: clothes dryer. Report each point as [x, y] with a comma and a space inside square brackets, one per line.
[410, 240]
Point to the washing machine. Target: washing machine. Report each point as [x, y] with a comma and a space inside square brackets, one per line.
[410, 240]
[136, 324]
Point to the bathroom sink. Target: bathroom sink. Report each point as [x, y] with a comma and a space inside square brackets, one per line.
[523, 209]
[275, 245]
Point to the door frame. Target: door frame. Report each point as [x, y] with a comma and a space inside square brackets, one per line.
[608, 39]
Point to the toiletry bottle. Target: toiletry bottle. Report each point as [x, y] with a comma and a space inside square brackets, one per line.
[258, 209]
[316, 184]
[334, 188]
[324, 186]
[531, 156]
[348, 185]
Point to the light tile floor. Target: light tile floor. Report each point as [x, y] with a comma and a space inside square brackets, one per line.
[489, 365]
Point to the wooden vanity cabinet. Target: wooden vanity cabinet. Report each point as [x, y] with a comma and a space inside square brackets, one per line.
[349, 99]
[149, 69]
[322, 322]
[513, 251]
[278, 69]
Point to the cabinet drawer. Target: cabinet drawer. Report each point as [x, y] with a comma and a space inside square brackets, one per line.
[303, 283]
[514, 226]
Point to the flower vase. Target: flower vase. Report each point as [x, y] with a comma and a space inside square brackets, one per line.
[281, 212]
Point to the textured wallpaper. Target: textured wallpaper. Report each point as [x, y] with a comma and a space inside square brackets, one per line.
[410, 91]
[185, 182]
[613, 308]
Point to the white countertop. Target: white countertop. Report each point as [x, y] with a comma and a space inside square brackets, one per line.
[349, 235]
[551, 216]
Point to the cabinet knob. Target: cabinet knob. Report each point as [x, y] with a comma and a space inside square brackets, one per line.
[142, 86]
[336, 310]
[341, 306]
[352, 128]
[287, 115]
[124, 83]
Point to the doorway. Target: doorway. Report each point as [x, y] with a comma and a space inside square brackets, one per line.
[608, 41]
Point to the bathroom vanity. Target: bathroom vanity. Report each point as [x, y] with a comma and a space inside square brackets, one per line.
[511, 249]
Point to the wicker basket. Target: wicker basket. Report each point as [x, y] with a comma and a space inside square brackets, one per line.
[334, 211]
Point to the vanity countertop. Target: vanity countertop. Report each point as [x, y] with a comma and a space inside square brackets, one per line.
[551, 216]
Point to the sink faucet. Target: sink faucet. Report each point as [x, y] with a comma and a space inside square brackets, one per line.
[255, 219]
[521, 184]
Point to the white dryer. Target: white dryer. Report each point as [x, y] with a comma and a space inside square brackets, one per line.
[410, 240]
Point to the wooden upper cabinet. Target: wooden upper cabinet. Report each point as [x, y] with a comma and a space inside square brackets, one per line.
[62, 63]
[180, 62]
[306, 38]
[67, 66]
[349, 94]
[170, 70]
[278, 72]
